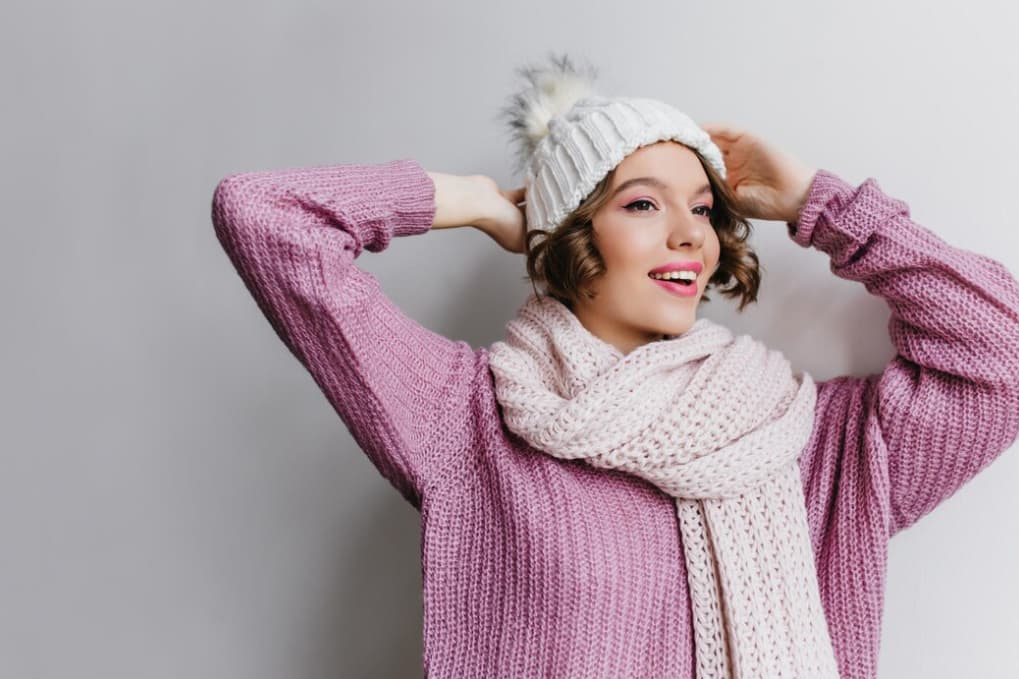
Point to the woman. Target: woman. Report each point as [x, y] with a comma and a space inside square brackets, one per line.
[620, 489]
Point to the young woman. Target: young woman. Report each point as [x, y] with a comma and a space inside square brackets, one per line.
[621, 489]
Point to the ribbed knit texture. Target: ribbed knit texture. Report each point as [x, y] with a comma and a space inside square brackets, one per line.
[535, 566]
[716, 421]
[591, 138]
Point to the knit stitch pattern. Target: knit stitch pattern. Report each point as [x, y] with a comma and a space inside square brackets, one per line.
[714, 420]
[535, 566]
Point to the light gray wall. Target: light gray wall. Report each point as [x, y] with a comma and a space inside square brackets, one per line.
[177, 499]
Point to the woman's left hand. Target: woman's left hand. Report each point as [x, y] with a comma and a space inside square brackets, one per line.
[768, 182]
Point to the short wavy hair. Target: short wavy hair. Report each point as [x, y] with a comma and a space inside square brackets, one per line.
[566, 260]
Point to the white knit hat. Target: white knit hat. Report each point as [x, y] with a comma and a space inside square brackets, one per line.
[568, 138]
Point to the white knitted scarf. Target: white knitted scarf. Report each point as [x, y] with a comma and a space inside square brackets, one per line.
[715, 421]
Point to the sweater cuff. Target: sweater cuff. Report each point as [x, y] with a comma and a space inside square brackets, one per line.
[413, 196]
[827, 196]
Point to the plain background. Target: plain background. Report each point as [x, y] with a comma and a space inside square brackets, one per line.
[177, 498]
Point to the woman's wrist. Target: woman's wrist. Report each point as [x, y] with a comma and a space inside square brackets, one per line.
[456, 200]
[801, 194]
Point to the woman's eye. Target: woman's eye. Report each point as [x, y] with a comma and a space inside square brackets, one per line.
[630, 207]
[638, 202]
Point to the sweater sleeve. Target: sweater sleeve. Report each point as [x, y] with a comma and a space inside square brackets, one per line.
[293, 236]
[947, 404]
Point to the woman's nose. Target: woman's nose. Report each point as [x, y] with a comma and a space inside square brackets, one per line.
[686, 231]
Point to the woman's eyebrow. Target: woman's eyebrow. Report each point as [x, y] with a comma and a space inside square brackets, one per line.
[657, 183]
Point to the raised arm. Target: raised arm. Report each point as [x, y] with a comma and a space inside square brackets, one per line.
[293, 236]
[948, 403]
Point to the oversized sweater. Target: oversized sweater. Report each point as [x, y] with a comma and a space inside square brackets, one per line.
[534, 566]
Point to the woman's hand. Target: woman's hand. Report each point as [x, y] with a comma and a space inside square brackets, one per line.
[503, 216]
[768, 183]
[476, 200]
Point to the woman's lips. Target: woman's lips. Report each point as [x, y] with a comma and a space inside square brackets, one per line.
[677, 288]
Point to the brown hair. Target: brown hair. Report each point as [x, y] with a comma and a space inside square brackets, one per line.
[566, 260]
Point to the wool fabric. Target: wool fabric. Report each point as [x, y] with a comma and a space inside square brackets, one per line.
[569, 137]
[715, 421]
[535, 566]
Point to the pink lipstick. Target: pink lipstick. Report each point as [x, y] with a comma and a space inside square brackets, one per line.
[686, 287]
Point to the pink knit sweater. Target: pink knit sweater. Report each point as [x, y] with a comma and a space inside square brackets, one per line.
[539, 567]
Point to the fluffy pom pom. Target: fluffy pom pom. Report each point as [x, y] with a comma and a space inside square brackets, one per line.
[552, 90]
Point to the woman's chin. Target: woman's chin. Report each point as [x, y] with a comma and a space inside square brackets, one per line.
[676, 329]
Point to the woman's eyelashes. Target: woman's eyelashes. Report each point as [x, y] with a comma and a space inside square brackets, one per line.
[638, 202]
[630, 208]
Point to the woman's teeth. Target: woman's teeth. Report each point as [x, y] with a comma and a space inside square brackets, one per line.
[681, 276]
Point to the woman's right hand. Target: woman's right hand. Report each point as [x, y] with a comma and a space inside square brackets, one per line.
[504, 218]
[476, 200]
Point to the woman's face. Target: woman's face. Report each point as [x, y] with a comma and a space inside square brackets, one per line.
[644, 227]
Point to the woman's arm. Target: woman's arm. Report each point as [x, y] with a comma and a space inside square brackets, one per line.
[948, 403]
[293, 236]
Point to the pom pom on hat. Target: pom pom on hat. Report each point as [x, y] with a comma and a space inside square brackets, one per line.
[553, 89]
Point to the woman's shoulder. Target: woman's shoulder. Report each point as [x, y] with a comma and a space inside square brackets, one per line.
[473, 422]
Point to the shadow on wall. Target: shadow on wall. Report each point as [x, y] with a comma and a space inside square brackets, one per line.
[370, 622]
[482, 311]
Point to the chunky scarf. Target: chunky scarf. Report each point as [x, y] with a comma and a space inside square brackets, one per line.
[715, 421]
